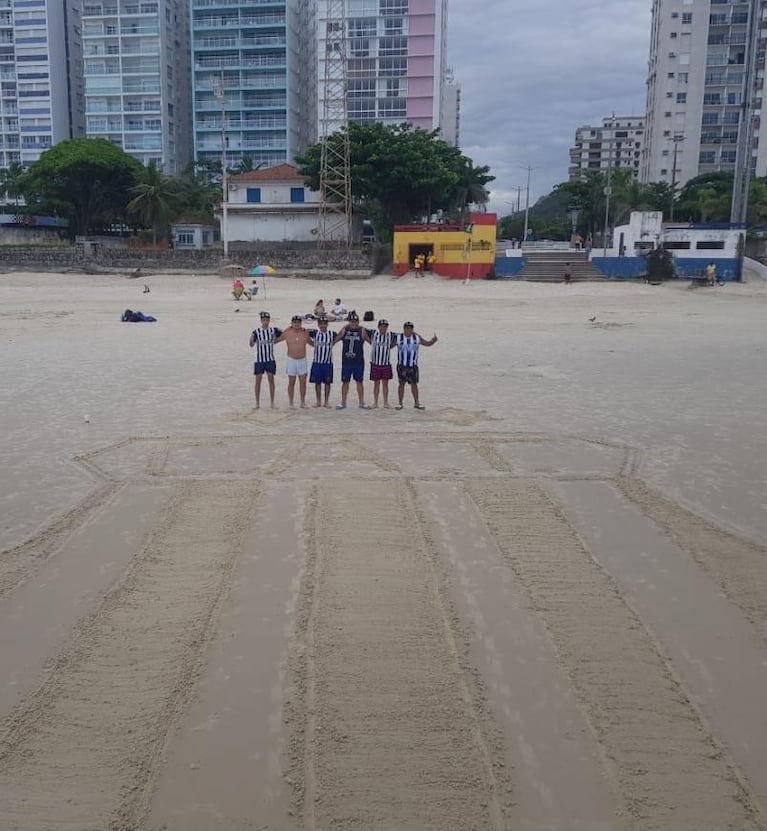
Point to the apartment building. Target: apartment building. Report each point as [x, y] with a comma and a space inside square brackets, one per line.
[254, 81]
[136, 72]
[617, 144]
[450, 122]
[396, 61]
[695, 90]
[40, 81]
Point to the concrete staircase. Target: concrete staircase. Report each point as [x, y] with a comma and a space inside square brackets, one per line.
[549, 267]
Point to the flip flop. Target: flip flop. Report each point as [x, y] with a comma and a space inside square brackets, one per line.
[364, 406]
[419, 406]
[340, 406]
[398, 407]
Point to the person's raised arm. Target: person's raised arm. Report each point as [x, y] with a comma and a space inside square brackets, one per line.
[429, 342]
[339, 336]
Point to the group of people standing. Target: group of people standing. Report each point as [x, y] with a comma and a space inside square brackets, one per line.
[353, 337]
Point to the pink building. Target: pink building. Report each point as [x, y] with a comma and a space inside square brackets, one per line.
[396, 61]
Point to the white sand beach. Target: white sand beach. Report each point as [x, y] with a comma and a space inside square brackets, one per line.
[540, 603]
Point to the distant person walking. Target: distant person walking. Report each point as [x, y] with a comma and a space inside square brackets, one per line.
[418, 264]
[711, 274]
[568, 276]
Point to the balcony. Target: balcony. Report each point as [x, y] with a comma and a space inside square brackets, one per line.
[245, 21]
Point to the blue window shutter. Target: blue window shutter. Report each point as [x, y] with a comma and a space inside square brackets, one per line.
[296, 194]
[254, 194]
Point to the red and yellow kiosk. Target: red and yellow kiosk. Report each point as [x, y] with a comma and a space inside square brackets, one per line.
[450, 249]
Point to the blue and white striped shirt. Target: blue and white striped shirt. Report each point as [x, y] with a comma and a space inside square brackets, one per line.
[263, 343]
[380, 347]
[323, 345]
[407, 349]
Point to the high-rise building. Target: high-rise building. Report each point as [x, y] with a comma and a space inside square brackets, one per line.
[616, 144]
[40, 77]
[695, 90]
[396, 61]
[253, 65]
[136, 68]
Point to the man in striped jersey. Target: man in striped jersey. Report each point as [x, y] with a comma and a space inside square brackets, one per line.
[408, 344]
[322, 339]
[262, 340]
[381, 342]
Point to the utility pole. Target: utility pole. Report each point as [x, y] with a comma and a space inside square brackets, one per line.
[744, 154]
[220, 94]
[608, 186]
[527, 204]
[677, 138]
[335, 215]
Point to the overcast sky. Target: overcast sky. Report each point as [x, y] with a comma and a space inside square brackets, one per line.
[532, 71]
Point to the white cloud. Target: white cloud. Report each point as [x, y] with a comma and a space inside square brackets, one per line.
[532, 72]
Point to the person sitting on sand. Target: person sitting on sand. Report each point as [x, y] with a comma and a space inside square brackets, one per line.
[238, 289]
[251, 292]
[339, 310]
[319, 308]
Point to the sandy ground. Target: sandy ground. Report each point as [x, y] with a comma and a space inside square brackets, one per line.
[539, 604]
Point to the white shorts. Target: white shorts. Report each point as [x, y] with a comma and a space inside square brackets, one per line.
[296, 366]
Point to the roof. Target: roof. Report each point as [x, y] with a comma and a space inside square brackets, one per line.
[279, 173]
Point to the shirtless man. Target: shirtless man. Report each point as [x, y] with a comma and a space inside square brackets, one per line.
[296, 339]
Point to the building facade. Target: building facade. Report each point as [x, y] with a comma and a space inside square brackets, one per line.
[137, 80]
[616, 144]
[395, 61]
[450, 123]
[40, 77]
[695, 90]
[253, 83]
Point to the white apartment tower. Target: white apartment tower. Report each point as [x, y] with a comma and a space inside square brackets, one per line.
[396, 61]
[695, 90]
[616, 144]
[137, 79]
[40, 77]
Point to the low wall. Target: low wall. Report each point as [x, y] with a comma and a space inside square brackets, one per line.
[507, 268]
[27, 258]
[621, 268]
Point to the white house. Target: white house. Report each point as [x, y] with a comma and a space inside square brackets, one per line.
[272, 204]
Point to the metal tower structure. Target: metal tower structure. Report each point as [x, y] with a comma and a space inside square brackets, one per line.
[335, 218]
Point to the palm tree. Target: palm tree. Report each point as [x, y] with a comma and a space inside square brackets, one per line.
[155, 199]
[12, 182]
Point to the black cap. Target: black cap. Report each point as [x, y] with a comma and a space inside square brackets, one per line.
[264, 315]
[295, 318]
[408, 324]
[383, 322]
[353, 315]
[322, 318]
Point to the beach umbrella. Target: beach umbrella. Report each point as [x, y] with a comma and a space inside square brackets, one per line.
[262, 271]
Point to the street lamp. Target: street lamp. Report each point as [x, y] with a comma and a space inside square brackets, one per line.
[527, 204]
[608, 187]
[220, 95]
[677, 138]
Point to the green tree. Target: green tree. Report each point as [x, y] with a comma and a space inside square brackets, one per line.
[156, 199]
[706, 198]
[198, 196]
[400, 174]
[83, 180]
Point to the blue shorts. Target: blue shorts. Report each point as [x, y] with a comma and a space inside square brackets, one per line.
[349, 371]
[260, 367]
[321, 374]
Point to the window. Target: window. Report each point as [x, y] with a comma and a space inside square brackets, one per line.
[676, 245]
[184, 237]
[253, 195]
[728, 156]
[686, 18]
[296, 195]
[670, 75]
[710, 245]
[681, 98]
[673, 34]
[707, 157]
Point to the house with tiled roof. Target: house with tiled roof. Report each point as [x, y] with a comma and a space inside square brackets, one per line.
[271, 204]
